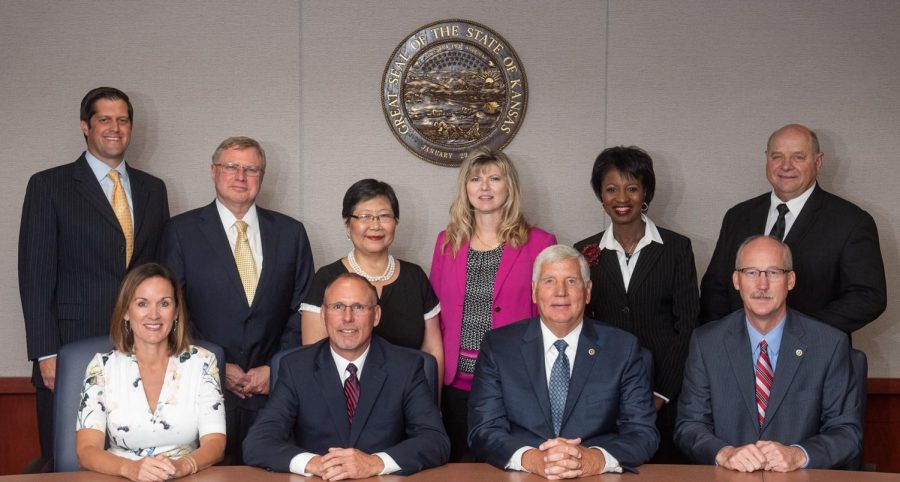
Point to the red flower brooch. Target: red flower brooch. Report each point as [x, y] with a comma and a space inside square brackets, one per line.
[591, 253]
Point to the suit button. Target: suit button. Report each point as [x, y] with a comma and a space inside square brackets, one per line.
[496, 309]
[121, 249]
[626, 310]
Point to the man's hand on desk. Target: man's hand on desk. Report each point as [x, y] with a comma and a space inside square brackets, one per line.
[561, 458]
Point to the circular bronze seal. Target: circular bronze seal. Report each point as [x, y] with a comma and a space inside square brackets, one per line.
[452, 86]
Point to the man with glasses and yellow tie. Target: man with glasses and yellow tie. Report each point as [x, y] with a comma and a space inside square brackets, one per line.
[766, 387]
[84, 225]
[244, 271]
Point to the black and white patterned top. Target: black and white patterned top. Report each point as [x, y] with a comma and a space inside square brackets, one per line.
[481, 270]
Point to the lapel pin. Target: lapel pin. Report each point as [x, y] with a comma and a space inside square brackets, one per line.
[592, 352]
[799, 352]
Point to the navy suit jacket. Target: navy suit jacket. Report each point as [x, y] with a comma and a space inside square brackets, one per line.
[195, 247]
[72, 251]
[808, 404]
[307, 411]
[608, 404]
[837, 258]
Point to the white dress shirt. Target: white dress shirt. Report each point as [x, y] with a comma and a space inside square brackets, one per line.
[299, 462]
[626, 265]
[794, 207]
[550, 355]
[253, 235]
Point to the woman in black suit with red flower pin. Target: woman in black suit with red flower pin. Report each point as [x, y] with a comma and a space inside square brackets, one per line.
[643, 278]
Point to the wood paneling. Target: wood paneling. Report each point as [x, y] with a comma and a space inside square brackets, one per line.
[19, 442]
[18, 425]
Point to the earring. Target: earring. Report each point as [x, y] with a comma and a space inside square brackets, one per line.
[126, 326]
[644, 207]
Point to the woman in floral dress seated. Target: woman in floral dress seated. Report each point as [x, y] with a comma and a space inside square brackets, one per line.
[153, 365]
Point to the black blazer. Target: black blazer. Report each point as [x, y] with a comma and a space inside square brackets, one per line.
[195, 247]
[307, 411]
[660, 307]
[837, 259]
[72, 251]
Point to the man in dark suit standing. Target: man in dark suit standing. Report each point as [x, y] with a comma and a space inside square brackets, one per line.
[83, 225]
[532, 410]
[244, 271]
[766, 387]
[837, 257]
[352, 405]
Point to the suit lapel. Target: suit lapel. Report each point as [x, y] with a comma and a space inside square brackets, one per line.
[585, 359]
[212, 229]
[610, 270]
[646, 261]
[370, 385]
[806, 219]
[269, 238]
[507, 261]
[87, 186]
[755, 223]
[788, 363]
[737, 346]
[329, 383]
[140, 197]
[533, 356]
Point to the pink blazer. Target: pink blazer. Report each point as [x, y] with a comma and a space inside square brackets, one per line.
[512, 289]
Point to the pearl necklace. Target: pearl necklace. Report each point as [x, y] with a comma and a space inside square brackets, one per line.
[388, 273]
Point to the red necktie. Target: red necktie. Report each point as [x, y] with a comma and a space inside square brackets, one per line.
[764, 378]
[351, 391]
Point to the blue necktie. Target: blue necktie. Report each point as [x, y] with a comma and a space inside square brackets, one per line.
[559, 385]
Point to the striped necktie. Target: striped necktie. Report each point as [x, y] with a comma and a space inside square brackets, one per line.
[351, 392]
[123, 214]
[764, 379]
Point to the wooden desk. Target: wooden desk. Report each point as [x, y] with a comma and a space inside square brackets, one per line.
[486, 473]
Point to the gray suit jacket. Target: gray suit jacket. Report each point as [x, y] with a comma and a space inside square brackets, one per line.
[808, 405]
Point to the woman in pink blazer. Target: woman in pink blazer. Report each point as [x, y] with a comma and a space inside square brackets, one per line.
[481, 272]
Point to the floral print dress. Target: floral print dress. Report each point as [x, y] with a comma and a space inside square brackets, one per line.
[190, 404]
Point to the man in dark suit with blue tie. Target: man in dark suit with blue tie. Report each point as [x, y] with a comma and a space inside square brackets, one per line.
[837, 256]
[561, 396]
[766, 387]
[244, 271]
[84, 225]
[352, 405]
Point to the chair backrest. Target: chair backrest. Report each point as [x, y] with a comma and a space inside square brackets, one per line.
[859, 365]
[71, 363]
[431, 370]
[648, 364]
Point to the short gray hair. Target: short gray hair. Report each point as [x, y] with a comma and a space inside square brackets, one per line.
[788, 258]
[560, 252]
[240, 142]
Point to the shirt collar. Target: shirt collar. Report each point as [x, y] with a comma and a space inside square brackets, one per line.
[773, 337]
[549, 338]
[794, 205]
[101, 169]
[651, 235]
[342, 362]
[228, 218]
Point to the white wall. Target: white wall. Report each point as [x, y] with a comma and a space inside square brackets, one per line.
[699, 84]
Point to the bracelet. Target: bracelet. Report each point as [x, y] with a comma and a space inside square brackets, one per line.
[192, 462]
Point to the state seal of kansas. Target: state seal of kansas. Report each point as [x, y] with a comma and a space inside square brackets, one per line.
[452, 86]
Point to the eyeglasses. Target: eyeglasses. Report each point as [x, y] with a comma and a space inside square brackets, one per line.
[375, 218]
[355, 308]
[771, 273]
[232, 168]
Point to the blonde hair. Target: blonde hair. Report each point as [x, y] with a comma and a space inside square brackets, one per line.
[461, 227]
[123, 337]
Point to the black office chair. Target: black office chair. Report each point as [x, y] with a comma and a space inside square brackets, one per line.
[431, 371]
[72, 361]
[858, 394]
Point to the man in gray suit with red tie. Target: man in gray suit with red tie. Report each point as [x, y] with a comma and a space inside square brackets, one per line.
[766, 387]
[84, 225]
[244, 271]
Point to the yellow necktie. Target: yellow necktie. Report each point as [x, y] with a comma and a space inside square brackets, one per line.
[123, 214]
[243, 257]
